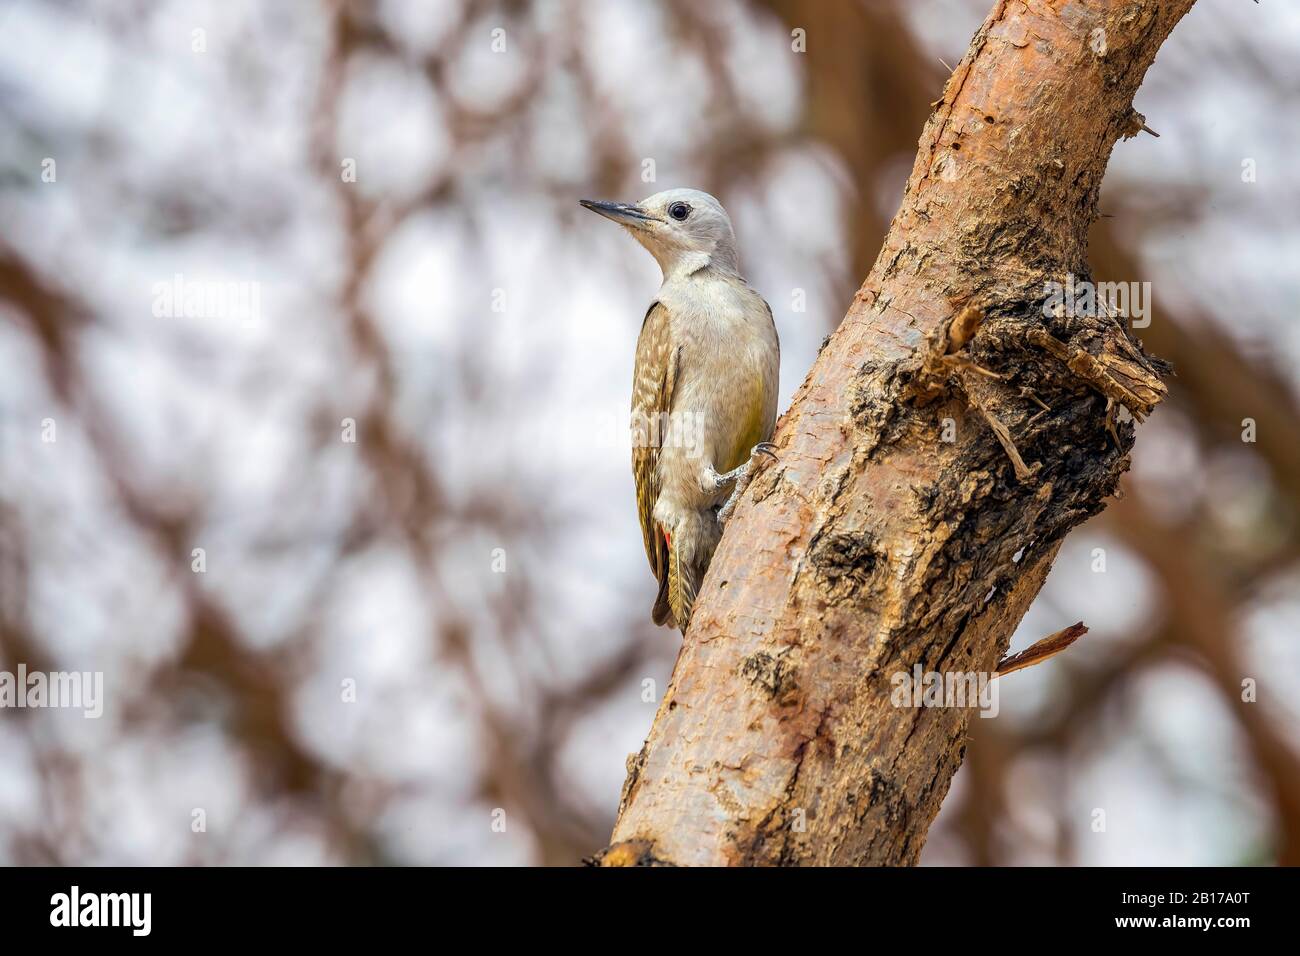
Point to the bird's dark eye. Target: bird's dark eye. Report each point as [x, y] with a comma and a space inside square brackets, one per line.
[679, 211]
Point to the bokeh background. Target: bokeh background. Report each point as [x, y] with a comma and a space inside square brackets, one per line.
[399, 637]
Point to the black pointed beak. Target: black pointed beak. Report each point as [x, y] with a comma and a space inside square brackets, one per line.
[625, 214]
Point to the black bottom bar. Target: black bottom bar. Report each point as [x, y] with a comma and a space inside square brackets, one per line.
[369, 906]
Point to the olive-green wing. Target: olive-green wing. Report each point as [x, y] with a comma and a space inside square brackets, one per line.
[653, 379]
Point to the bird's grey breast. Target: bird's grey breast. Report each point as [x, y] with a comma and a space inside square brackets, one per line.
[727, 378]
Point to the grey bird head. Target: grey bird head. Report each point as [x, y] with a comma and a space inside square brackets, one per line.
[684, 229]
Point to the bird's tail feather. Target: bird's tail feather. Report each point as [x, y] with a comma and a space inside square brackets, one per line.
[684, 575]
[662, 613]
[681, 586]
[688, 558]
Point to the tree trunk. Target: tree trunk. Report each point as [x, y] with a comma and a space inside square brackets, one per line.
[949, 435]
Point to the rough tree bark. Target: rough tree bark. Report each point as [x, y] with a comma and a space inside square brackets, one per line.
[874, 545]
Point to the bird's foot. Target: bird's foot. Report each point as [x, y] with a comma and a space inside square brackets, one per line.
[742, 476]
[713, 481]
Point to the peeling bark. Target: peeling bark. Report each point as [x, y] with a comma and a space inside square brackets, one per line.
[873, 545]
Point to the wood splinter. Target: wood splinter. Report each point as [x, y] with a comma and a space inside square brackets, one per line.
[971, 388]
[1137, 123]
[1041, 650]
[1093, 372]
[1112, 410]
[1029, 393]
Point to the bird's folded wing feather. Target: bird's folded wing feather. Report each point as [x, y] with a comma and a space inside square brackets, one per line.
[652, 398]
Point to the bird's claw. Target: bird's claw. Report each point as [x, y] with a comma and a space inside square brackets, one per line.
[764, 449]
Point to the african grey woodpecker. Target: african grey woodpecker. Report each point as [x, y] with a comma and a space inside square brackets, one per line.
[703, 389]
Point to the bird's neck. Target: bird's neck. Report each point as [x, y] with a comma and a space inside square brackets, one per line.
[687, 264]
